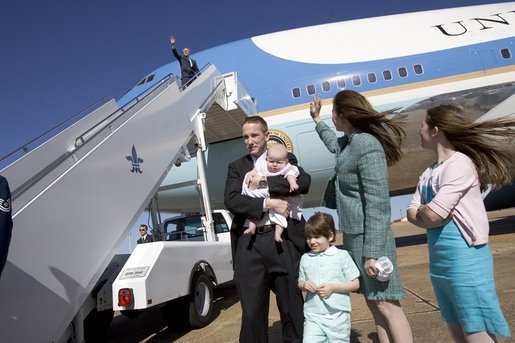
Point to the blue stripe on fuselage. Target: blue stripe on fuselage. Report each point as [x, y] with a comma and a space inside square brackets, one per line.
[271, 79]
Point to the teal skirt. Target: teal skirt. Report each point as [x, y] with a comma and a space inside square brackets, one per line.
[371, 288]
[463, 281]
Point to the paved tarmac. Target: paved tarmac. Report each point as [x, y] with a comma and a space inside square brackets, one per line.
[420, 304]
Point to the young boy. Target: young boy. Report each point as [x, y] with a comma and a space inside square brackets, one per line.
[274, 163]
[327, 274]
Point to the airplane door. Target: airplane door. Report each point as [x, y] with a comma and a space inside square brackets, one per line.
[486, 59]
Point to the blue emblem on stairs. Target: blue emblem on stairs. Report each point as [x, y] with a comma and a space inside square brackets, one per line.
[135, 160]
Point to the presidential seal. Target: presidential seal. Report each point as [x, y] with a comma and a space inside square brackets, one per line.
[276, 136]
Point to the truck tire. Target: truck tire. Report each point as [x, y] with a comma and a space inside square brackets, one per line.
[201, 304]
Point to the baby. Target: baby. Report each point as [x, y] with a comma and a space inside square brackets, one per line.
[273, 163]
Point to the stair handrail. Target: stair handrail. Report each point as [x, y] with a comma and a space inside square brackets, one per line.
[136, 100]
[209, 98]
[106, 122]
[88, 108]
[190, 81]
[51, 166]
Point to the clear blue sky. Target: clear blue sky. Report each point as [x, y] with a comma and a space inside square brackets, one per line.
[58, 56]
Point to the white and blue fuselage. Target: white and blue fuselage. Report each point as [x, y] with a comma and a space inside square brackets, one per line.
[463, 43]
[406, 61]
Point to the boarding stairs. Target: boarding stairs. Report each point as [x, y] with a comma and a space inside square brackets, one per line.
[76, 196]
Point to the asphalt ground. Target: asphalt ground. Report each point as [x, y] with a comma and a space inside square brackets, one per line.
[419, 305]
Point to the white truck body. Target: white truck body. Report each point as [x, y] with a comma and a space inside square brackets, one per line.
[161, 271]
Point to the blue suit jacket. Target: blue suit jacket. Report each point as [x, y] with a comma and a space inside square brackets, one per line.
[188, 65]
[148, 239]
[6, 222]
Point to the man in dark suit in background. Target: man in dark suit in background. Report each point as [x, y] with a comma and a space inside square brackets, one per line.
[145, 236]
[188, 65]
[6, 221]
[260, 263]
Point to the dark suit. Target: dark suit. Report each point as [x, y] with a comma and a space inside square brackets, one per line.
[260, 263]
[6, 222]
[148, 238]
[188, 66]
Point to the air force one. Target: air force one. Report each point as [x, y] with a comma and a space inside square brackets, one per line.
[408, 61]
[94, 177]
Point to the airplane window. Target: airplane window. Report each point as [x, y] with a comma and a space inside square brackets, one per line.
[356, 80]
[295, 92]
[311, 89]
[387, 75]
[141, 82]
[150, 78]
[372, 77]
[417, 68]
[403, 72]
[506, 53]
[340, 83]
[326, 87]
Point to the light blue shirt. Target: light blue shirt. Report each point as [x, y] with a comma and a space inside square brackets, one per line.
[331, 266]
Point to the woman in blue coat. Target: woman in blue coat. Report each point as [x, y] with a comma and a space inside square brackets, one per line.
[372, 141]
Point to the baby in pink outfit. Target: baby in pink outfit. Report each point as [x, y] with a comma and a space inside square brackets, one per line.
[276, 164]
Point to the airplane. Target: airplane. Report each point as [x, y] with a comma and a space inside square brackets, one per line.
[96, 176]
[409, 62]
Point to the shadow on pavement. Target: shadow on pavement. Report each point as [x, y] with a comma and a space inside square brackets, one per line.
[151, 327]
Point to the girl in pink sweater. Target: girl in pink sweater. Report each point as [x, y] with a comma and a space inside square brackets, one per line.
[448, 203]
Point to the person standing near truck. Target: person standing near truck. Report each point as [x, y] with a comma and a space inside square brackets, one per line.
[145, 236]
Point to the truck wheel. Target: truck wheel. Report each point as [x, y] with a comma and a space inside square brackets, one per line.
[201, 305]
